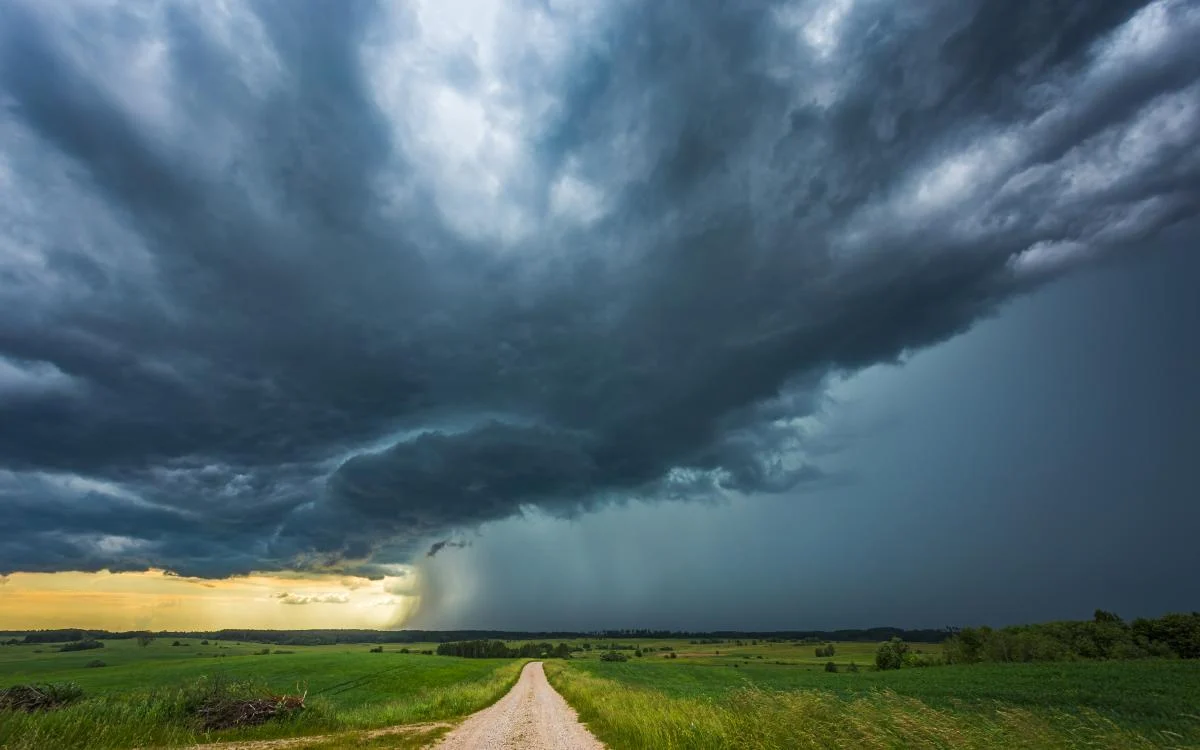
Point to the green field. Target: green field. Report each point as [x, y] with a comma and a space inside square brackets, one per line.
[711, 695]
[734, 699]
[128, 701]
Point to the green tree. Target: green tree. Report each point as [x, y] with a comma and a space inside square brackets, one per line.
[890, 654]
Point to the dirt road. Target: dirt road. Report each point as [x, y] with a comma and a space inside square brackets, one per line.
[533, 716]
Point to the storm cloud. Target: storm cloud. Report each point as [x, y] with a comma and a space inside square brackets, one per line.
[315, 285]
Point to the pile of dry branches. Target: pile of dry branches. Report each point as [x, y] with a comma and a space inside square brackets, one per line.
[30, 698]
[226, 713]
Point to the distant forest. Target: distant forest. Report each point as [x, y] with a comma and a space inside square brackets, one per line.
[330, 637]
[1105, 636]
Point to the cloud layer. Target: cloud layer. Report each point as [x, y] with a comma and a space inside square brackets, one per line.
[317, 286]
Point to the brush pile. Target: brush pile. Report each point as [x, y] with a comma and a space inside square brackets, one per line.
[228, 712]
[30, 698]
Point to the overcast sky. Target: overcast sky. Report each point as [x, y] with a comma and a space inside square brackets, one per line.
[754, 315]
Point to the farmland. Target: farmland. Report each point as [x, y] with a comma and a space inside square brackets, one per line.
[677, 694]
[640, 704]
[129, 701]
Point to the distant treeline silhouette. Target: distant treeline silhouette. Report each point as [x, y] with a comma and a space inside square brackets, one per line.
[331, 636]
[484, 649]
[1106, 636]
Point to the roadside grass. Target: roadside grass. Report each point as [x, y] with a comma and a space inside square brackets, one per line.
[135, 702]
[631, 717]
[1148, 696]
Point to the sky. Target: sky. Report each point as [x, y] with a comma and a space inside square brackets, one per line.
[549, 314]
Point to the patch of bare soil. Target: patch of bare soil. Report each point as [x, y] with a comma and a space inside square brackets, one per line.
[297, 743]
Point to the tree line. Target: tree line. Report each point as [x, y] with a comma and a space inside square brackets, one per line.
[484, 649]
[1105, 636]
[322, 637]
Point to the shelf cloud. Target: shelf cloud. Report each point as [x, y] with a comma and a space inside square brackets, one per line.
[318, 286]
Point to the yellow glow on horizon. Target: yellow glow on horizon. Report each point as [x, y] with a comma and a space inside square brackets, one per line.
[155, 600]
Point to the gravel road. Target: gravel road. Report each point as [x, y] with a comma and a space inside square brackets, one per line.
[533, 716]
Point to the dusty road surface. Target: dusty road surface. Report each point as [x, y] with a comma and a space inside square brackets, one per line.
[533, 716]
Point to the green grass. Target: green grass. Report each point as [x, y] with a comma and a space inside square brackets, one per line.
[753, 718]
[703, 700]
[711, 696]
[130, 702]
[1147, 695]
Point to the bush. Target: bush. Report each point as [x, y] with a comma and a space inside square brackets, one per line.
[94, 663]
[377, 650]
[613, 656]
[831, 666]
[911, 659]
[852, 668]
[86, 645]
[203, 643]
[825, 650]
[890, 654]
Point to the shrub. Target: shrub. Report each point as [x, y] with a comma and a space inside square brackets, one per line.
[910, 659]
[203, 643]
[376, 650]
[890, 654]
[613, 656]
[852, 668]
[95, 663]
[85, 645]
[831, 666]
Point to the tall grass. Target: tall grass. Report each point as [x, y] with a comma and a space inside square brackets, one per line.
[750, 718]
[160, 718]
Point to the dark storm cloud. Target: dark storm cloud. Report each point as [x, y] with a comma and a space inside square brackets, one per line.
[442, 544]
[295, 599]
[316, 285]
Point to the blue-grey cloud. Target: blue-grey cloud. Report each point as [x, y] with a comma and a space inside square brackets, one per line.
[319, 284]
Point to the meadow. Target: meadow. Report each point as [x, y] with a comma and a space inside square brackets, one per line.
[677, 694]
[132, 701]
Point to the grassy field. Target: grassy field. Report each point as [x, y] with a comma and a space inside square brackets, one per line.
[131, 701]
[736, 700]
[711, 695]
